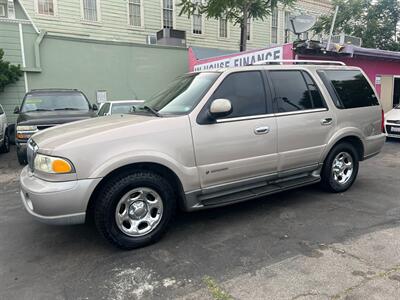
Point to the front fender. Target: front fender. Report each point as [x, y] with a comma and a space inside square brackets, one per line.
[188, 175]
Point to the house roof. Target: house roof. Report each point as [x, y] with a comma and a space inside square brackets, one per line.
[203, 53]
[373, 53]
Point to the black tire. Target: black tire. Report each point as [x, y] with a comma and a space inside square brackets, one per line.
[328, 181]
[22, 159]
[11, 133]
[5, 147]
[110, 194]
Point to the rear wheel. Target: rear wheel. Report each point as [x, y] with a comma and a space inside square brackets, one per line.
[134, 209]
[340, 168]
[5, 147]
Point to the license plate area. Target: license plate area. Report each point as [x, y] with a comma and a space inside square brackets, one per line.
[395, 129]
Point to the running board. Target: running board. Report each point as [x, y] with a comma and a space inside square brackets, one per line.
[268, 188]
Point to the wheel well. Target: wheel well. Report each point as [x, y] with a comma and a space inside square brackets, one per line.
[356, 142]
[162, 170]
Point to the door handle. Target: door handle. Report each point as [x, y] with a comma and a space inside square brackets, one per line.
[327, 121]
[261, 130]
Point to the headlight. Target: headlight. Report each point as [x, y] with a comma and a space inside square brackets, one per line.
[25, 132]
[27, 128]
[53, 165]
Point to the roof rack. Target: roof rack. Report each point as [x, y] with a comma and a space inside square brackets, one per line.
[53, 89]
[298, 62]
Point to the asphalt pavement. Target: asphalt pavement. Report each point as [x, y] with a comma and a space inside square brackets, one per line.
[300, 244]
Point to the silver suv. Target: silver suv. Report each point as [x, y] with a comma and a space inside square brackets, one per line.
[209, 139]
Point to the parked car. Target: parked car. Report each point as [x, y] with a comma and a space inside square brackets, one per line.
[392, 122]
[209, 139]
[4, 133]
[118, 107]
[45, 108]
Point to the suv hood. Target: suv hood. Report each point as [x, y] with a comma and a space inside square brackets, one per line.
[53, 117]
[87, 130]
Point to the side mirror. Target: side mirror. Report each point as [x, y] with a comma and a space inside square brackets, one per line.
[220, 108]
[94, 107]
[16, 110]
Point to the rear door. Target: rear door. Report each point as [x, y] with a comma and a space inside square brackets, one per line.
[242, 145]
[304, 121]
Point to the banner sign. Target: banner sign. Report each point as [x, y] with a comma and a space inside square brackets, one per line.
[242, 60]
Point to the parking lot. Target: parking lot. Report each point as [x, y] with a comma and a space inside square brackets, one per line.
[301, 244]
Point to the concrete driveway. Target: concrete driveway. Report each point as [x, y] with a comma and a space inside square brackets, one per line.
[301, 244]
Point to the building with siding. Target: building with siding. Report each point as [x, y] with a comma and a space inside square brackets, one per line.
[99, 45]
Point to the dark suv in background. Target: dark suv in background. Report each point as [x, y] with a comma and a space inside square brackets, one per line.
[45, 108]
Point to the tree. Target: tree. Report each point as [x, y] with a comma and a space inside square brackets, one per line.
[373, 21]
[8, 73]
[236, 11]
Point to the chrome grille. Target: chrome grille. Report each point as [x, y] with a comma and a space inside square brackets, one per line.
[31, 153]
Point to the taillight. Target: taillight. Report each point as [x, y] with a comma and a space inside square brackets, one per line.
[383, 121]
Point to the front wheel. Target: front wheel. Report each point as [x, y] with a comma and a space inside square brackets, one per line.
[5, 147]
[340, 168]
[134, 209]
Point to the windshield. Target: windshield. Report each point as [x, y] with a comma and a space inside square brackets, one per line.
[181, 95]
[55, 101]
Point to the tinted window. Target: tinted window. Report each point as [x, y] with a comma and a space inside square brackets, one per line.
[55, 101]
[350, 88]
[316, 97]
[246, 92]
[1, 110]
[295, 90]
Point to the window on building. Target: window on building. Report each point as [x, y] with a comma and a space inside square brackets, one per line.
[246, 92]
[298, 95]
[3, 8]
[274, 26]
[90, 12]
[349, 89]
[135, 13]
[197, 20]
[248, 33]
[168, 13]
[287, 26]
[45, 7]
[223, 27]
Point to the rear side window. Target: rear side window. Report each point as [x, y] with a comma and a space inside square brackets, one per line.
[1, 110]
[295, 91]
[349, 88]
[246, 92]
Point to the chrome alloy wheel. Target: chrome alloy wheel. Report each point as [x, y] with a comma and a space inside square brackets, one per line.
[139, 211]
[342, 167]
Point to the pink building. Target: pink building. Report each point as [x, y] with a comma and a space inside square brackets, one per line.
[382, 67]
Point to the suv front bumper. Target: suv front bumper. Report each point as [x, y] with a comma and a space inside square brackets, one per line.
[57, 203]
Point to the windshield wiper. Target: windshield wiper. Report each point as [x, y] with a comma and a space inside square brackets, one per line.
[152, 110]
[67, 108]
[39, 109]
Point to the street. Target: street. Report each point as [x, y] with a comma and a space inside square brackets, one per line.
[300, 244]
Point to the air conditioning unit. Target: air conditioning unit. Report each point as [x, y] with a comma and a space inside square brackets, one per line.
[151, 39]
[344, 39]
[171, 37]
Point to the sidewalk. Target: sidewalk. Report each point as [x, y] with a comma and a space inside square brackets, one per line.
[365, 268]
